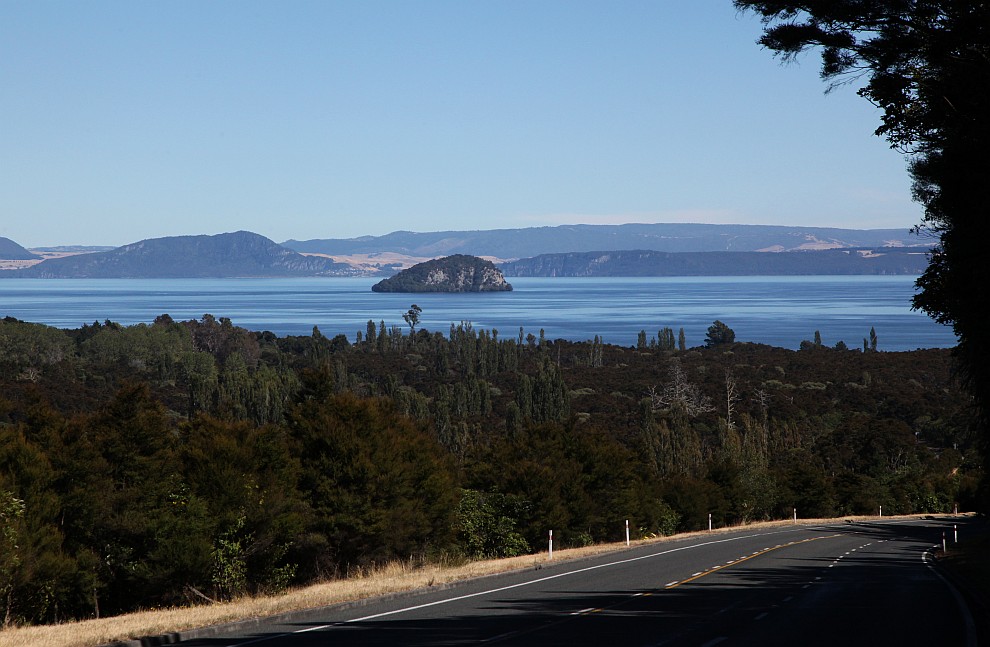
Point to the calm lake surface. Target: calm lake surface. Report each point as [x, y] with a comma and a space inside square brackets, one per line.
[780, 311]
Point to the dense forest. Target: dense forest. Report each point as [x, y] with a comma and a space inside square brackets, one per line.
[176, 462]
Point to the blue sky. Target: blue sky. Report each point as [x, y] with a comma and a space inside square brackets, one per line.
[126, 120]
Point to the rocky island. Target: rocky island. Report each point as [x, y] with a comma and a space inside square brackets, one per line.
[457, 273]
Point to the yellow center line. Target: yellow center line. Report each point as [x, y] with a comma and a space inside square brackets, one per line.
[715, 569]
[697, 576]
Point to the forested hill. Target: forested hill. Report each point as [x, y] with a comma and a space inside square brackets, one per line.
[11, 251]
[238, 254]
[142, 465]
[665, 237]
[891, 260]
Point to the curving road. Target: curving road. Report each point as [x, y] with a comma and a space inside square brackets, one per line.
[834, 584]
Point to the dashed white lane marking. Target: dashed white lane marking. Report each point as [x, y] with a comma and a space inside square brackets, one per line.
[762, 615]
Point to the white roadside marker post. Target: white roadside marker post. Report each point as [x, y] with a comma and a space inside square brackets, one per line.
[795, 515]
[709, 522]
[627, 533]
[551, 544]
[955, 534]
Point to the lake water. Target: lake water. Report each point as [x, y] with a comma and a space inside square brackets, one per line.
[780, 311]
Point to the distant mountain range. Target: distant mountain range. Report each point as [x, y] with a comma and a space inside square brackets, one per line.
[238, 254]
[577, 250]
[509, 244]
[890, 260]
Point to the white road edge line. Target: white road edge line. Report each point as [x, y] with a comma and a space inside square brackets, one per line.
[507, 588]
[960, 602]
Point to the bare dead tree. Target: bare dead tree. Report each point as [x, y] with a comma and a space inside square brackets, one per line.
[731, 397]
[680, 394]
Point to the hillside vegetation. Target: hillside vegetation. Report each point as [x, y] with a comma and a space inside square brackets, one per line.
[164, 464]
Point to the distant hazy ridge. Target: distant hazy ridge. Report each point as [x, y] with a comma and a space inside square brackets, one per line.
[891, 260]
[675, 237]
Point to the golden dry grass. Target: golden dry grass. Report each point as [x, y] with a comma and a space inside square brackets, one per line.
[371, 262]
[391, 578]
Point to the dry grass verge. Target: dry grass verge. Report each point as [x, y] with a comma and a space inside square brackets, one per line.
[389, 579]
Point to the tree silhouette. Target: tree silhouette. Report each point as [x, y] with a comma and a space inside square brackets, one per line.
[927, 67]
[719, 333]
[411, 317]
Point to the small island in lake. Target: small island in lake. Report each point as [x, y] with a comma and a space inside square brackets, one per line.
[457, 273]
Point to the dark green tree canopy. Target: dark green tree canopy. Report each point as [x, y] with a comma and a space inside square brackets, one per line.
[149, 466]
[926, 65]
[719, 333]
[921, 60]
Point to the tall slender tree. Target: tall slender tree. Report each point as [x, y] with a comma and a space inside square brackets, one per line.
[411, 317]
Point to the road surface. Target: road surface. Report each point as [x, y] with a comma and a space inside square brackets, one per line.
[834, 584]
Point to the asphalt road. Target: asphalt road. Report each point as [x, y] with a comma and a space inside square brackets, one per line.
[835, 584]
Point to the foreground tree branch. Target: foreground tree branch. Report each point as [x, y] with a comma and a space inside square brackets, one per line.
[927, 67]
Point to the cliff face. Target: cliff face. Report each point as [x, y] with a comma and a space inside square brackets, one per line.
[889, 260]
[458, 273]
[467, 279]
